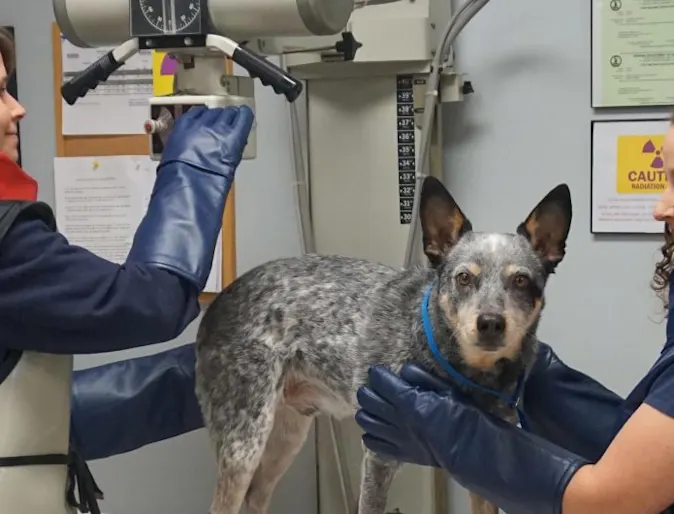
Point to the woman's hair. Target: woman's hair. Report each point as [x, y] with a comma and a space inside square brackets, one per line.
[7, 49]
[663, 269]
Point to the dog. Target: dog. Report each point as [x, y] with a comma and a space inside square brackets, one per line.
[294, 338]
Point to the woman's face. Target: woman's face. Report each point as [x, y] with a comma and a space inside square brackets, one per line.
[664, 210]
[11, 112]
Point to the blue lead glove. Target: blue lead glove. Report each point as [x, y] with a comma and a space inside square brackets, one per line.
[122, 406]
[184, 216]
[518, 471]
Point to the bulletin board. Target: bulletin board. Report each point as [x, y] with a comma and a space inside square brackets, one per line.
[106, 145]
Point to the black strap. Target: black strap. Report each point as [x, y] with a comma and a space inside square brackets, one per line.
[78, 474]
[11, 210]
[8, 360]
[88, 491]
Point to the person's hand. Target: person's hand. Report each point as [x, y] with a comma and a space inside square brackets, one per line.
[212, 139]
[511, 468]
[389, 408]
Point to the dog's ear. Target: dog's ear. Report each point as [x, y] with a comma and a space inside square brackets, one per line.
[547, 226]
[442, 221]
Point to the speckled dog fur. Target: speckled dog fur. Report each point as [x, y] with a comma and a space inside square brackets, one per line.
[295, 337]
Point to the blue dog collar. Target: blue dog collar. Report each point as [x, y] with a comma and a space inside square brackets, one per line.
[430, 338]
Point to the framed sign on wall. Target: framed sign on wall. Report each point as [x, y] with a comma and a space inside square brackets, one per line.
[628, 175]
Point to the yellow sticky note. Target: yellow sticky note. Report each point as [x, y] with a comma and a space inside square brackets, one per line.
[640, 168]
[163, 70]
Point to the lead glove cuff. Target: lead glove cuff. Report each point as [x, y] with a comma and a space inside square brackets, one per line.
[183, 220]
[569, 408]
[122, 406]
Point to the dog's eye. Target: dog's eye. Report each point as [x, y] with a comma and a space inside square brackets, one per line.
[463, 279]
[521, 281]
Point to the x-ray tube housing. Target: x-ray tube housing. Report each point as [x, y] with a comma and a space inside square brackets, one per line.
[95, 23]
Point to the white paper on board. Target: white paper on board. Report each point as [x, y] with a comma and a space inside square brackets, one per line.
[118, 106]
[100, 201]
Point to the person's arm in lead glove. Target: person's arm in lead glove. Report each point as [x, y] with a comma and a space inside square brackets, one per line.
[161, 387]
[194, 177]
[518, 471]
[61, 298]
[569, 408]
[125, 405]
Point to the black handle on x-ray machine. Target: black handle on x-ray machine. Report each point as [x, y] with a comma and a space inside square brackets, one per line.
[268, 73]
[258, 67]
[89, 78]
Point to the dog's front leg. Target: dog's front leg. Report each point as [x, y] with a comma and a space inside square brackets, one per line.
[376, 477]
[479, 505]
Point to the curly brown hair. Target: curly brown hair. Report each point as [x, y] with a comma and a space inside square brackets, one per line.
[7, 50]
[663, 269]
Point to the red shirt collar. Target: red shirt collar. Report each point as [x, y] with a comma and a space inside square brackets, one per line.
[15, 183]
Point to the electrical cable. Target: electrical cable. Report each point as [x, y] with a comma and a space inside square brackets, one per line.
[359, 4]
[460, 19]
[308, 245]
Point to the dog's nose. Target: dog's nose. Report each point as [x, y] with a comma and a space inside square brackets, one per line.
[491, 324]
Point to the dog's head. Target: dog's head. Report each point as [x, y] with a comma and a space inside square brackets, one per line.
[491, 284]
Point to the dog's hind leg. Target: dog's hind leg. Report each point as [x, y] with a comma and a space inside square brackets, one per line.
[479, 505]
[240, 446]
[238, 385]
[287, 437]
[376, 477]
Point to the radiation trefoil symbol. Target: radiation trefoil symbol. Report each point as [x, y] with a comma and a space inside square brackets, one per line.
[169, 65]
[649, 148]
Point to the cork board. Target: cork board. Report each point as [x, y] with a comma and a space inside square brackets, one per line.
[95, 145]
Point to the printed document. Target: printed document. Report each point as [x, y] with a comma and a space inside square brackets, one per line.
[632, 53]
[100, 201]
[118, 106]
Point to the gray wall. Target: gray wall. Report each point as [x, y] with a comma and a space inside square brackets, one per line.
[524, 130]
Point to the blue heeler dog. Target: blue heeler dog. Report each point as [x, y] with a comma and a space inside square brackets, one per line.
[294, 338]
